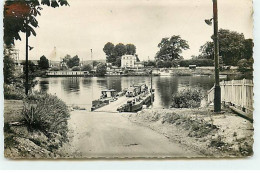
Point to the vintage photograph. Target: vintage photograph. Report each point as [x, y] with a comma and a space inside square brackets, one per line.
[127, 79]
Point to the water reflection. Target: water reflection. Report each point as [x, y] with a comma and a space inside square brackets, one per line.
[82, 91]
[71, 84]
[44, 85]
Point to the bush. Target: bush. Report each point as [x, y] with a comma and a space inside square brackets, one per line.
[9, 68]
[245, 65]
[46, 113]
[197, 62]
[101, 69]
[13, 93]
[87, 67]
[76, 68]
[187, 98]
[54, 69]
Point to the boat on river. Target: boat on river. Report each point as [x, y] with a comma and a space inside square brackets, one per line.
[131, 99]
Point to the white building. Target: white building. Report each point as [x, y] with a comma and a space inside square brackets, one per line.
[128, 61]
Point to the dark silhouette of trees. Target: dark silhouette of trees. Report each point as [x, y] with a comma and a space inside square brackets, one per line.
[232, 47]
[101, 69]
[130, 49]
[20, 16]
[43, 63]
[171, 48]
[72, 62]
[87, 67]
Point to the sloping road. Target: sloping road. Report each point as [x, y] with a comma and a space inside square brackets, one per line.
[111, 135]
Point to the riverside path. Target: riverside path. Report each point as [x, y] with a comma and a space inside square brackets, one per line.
[112, 135]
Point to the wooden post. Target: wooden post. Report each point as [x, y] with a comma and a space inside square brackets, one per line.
[232, 91]
[26, 63]
[243, 96]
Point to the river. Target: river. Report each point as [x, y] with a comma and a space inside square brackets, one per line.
[81, 91]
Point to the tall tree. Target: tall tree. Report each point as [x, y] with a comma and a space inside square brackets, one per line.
[231, 46]
[101, 69]
[72, 62]
[43, 63]
[130, 49]
[66, 58]
[248, 49]
[120, 49]
[20, 16]
[108, 49]
[171, 48]
[207, 50]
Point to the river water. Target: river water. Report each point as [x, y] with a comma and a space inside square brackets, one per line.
[81, 91]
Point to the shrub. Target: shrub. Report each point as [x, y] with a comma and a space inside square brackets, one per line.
[187, 98]
[46, 113]
[9, 68]
[87, 67]
[76, 68]
[101, 69]
[13, 93]
[54, 69]
[245, 65]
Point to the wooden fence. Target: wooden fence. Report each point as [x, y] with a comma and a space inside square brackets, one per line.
[238, 93]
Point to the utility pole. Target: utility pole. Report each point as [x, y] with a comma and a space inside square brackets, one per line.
[217, 93]
[91, 58]
[26, 64]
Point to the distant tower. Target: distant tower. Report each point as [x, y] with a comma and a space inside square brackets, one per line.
[53, 55]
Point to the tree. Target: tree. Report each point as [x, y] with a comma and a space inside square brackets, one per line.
[120, 50]
[73, 61]
[101, 69]
[149, 64]
[171, 48]
[9, 68]
[243, 65]
[95, 63]
[43, 63]
[248, 49]
[137, 58]
[108, 49]
[159, 64]
[87, 67]
[20, 16]
[207, 50]
[66, 58]
[118, 62]
[130, 49]
[231, 46]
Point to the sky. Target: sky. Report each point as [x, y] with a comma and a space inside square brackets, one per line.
[90, 24]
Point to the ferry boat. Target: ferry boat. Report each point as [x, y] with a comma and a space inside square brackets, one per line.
[131, 99]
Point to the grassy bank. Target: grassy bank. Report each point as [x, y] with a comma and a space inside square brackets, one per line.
[213, 135]
[25, 138]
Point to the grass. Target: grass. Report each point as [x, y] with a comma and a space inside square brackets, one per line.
[13, 93]
[46, 113]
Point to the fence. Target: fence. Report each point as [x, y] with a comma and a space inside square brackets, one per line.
[238, 93]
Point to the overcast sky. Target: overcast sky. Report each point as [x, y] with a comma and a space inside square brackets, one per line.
[86, 25]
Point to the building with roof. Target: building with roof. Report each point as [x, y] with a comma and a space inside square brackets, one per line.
[130, 61]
